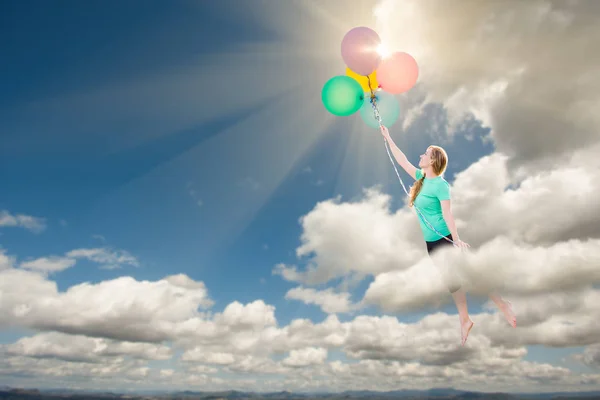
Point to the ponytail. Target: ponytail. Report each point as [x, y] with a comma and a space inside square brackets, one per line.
[415, 189]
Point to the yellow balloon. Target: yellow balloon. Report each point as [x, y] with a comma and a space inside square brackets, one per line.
[363, 80]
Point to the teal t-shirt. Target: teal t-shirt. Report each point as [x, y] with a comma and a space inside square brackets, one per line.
[428, 202]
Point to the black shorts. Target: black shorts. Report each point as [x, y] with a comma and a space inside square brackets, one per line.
[432, 246]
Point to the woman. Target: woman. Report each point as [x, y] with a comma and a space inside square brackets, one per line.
[431, 195]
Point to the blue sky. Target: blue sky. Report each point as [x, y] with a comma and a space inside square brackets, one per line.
[166, 138]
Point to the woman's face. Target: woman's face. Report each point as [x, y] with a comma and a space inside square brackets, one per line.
[425, 159]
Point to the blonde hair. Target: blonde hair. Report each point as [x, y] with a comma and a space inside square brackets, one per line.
[440, 162]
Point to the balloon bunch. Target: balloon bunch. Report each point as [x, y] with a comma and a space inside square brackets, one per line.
[369, 72]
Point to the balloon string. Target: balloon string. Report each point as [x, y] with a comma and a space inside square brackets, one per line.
[378, 118]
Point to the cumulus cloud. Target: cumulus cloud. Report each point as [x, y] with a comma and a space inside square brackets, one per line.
[359, 238]
[247, 339]
[420, 286]
[553, 319]
[80, 348]
[500, 265]
[306, 357]
[524, 242]
[519, 67]
[545, 207]
[31, 223]
[122, 308]
[254, 315]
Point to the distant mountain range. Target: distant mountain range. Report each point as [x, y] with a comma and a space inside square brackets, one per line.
[7, 393]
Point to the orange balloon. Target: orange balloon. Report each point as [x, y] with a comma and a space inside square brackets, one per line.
[397, 73]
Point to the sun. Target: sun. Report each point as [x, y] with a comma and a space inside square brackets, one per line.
[383, 51]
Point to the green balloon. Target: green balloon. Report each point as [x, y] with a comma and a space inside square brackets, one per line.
[342, 95]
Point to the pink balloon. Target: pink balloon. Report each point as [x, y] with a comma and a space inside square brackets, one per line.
[398, 73]
[359, 50]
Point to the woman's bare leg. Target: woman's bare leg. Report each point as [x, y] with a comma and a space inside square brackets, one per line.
[460, 299]
[506, 307]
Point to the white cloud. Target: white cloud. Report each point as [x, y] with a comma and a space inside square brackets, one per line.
[122, 308]
[34, 224]
[253, 315]
[420, 286]
[499, 265]
[329, 301]
[519, 66]
[359, 238]
[79, 348]
[6, 262]
[109, 259]
[289, 273]
[306, 357]
[551, 319]
[107, 337]
[549, 205]
[507, 227]
[48, 264]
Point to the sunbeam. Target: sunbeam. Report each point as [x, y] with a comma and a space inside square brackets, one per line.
[265, 147]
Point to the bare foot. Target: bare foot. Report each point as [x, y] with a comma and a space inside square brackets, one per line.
[465, 328]
[506, 308]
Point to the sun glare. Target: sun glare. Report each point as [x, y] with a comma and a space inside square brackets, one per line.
[383, 50]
